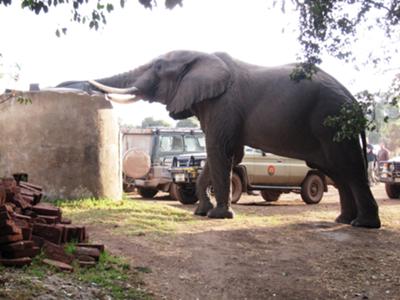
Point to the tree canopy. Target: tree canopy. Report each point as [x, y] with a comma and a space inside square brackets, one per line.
[325, 26]
[188, 123]
[151, 122]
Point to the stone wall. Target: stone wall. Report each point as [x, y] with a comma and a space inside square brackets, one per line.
[67, 142]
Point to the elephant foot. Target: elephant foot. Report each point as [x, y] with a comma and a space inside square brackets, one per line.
[344, 219]
[371, 222]
[221, 213]
[203, 208]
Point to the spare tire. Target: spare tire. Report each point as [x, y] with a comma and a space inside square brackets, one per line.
[136, 163]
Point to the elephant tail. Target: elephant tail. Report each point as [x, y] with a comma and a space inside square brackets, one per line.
[364, 149]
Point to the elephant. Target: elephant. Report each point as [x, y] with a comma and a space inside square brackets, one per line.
[241, 104]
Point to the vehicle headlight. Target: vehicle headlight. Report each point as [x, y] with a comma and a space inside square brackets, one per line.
[202, 163]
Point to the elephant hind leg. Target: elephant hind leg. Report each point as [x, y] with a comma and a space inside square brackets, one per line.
[345, 161]
[203, 182]
[348, 207]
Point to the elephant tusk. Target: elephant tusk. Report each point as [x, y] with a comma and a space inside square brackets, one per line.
[109, 89]
[124, 99]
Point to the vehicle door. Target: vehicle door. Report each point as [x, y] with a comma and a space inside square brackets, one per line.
[266, 168]
[298, 171]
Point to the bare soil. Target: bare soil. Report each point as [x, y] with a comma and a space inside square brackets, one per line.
[307, 256]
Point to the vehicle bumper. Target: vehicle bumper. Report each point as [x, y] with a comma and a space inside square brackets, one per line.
[151, 183]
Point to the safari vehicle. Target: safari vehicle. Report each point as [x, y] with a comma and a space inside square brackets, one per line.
[389, 173]
[148, 154]
[271, 174]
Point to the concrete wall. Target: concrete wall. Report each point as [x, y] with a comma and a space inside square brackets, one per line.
[67, 142]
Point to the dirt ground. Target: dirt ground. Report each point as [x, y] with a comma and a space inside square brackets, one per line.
[307, 256]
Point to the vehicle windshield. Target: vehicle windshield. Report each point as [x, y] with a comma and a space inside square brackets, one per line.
[137, 141]
[194, 143]
[171, 143]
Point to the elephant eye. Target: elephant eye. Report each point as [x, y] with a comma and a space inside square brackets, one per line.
[158, 65]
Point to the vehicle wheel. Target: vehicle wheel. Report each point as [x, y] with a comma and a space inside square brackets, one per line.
[173, 191]
[270, 195]
[128, 188]
[186, 196]
[312, 189]
[237, 188]
[392, 190]
[147, 192]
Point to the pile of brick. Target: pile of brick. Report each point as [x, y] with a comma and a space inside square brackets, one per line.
[28, 226]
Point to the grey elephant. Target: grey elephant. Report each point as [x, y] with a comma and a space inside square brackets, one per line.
[241, 104]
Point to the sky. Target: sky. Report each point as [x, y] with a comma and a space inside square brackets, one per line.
[135, 35]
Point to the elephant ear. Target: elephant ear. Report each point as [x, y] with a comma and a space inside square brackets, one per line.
[206, 77]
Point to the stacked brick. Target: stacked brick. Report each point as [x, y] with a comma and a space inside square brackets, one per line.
[28, 226]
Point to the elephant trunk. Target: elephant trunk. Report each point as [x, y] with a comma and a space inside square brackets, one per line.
[109, 89]
[120, 88]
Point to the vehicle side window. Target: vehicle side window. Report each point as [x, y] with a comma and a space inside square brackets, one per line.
[172, 143]
[193, 143]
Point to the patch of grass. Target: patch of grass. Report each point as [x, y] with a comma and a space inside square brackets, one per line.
[37, 268]
[114, 275]
[128, 216]
[70, 248]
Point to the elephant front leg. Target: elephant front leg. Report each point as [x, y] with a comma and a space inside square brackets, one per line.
[203, 182]
[220, 171]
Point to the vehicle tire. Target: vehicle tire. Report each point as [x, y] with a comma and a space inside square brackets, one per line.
[392, 190]
[186, 196]
[147, 192]
[312, 189]
[237, 188]
[128, 188]
[270, 195]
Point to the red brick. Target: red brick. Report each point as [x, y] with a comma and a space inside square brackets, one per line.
[26, 233]
[50, 233]
[39, 220]
[11, 228]
[71, 233]
[8, 182]
[2, 195]
[17, 246]
[86, 264]
[38, 241]
[65, 221]
[6, 239]
[85, 258]
[93, 252]
[46, 209]
[21, 222]
[57, 252]
[100, 247]
[31, 185]
[22, 217]
[30, 252]
[27, 198]
[30, 213]
[4, 216]
[20, 202]
[49, 219]
[16, 262]
[58, 264]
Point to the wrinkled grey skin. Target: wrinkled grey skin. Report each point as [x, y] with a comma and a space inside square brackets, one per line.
[241, 104]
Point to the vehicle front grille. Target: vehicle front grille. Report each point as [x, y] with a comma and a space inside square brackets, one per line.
[396, 166]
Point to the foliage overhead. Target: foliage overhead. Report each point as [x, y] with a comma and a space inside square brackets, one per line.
[325, 26]
[151, 122]
[188, 123]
